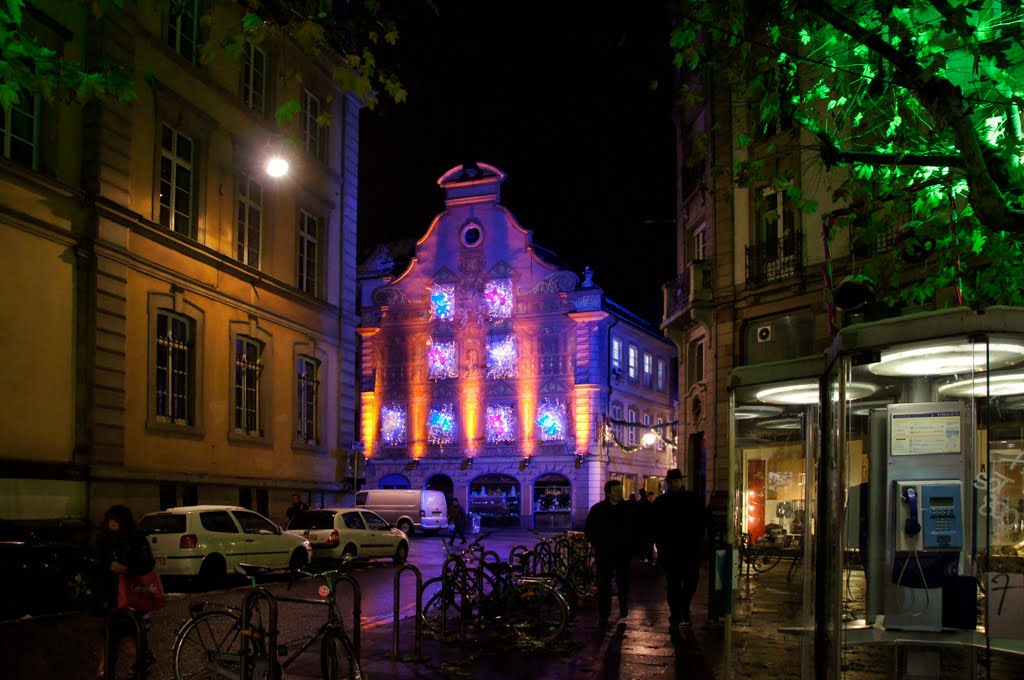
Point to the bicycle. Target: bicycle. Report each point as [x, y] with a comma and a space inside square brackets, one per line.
[532, 607]
[209, 643]
[761, 555]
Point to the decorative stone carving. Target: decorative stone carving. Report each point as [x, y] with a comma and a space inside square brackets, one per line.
[559, 282]
[389, 295]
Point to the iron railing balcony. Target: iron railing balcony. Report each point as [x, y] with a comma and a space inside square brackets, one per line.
[775, 260]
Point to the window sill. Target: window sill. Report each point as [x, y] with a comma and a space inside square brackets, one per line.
[154, 424]
[300, 445]
[261, 440]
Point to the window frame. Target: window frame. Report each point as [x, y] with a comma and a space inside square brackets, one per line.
[616, 352]
[176, 162]
[305, 240]
[616, 413]
[633, 359]
[697, 361]
[178, 305]
[249, 331]
[169, 367]
[313, 138]
[7, 132]
[660, 375]
[631, 428]
[243, 196]
[249, 76]
[302, 418]
[648, 369]
[172, 28]
[699, 243]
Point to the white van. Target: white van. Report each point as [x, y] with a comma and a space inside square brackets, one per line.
[407, 509]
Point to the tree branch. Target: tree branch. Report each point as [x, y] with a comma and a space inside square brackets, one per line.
[946, 104]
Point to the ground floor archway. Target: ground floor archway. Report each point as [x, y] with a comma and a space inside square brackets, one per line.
[394, 481]
[496, 499]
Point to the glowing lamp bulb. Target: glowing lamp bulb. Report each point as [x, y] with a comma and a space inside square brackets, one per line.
[277, 167]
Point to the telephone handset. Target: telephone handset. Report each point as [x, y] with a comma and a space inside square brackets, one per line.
[912, 527]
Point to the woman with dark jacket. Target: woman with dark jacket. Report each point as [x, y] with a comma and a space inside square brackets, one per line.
[122, 549]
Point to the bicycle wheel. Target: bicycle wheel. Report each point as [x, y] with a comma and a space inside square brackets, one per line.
[208, 646]
[338, 660]
[441, 603]
[536, 611]
[763, 559]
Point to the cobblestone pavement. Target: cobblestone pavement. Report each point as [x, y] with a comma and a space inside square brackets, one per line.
[639, 647]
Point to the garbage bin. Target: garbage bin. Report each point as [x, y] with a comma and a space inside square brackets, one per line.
[474, 523]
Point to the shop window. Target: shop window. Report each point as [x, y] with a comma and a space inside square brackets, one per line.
[552, 502]
[496, 499]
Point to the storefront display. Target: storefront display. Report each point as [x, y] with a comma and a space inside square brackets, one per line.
[552, 502]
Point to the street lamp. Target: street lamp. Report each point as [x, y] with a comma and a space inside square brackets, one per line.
[277, 166]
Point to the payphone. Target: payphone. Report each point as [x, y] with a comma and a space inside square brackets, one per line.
[927, 537]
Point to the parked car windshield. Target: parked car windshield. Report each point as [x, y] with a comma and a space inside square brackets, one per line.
[162, 523]
[312, 521]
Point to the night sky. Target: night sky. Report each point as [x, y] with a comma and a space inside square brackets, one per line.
[557, 95]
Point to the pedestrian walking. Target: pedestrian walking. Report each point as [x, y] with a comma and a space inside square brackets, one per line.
[457, 517]
[679, 523]
[124, 556]
[645, 526]
[609, 528]
[297, 506]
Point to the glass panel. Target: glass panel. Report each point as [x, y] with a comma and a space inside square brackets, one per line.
[775, 446]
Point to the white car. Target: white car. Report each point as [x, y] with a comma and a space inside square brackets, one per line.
[210, 541]
[344, 533]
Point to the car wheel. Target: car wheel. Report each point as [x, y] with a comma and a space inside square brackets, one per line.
[298, 560]
[401, 553]
[213, 572]
[405, 526]
[347, 555]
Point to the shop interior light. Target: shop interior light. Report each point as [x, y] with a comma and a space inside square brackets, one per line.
[948, 358]
[807, 393]
[748, 411]
[780, 424]
[991, 385]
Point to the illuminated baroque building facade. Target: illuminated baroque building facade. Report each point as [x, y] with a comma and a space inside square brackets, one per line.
[183, 324]
[489, 372]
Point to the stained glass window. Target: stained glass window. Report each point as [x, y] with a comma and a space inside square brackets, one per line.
[441, 360]
[502, 358]
[551, 420]
[392, 425]
[442, 301]
[441, 425]
[501, 423]
[498, 296]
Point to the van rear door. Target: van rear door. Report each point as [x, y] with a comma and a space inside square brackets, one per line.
[434, 513]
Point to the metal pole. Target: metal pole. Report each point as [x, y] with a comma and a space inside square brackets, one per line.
[419, 610]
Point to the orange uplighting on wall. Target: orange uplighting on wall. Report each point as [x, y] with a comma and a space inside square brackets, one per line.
[370, 416]
[418, 420]
[470, 419]
[528, 415]
[584, 416]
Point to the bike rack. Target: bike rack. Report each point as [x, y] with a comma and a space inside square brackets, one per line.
[250, 602]
[357, 609]
[110, 654]
[419, 610]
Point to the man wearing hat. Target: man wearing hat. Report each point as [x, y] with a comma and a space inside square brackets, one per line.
[679, 519]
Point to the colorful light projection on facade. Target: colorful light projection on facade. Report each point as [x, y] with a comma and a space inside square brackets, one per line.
[498, 296]
[442, 301]
[501, 424]
[502, 358]
[392, 425]
[551, 421]
[441, 360]
[441, 425]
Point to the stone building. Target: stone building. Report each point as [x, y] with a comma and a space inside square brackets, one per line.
[181, 326]
[494, 374]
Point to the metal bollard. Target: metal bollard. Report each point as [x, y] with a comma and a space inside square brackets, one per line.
[419, 609]
[109, 642]
[249, 603]
[357, 609]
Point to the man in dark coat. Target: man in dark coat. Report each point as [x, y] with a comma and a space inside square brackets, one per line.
[609, 529]
[679, 524]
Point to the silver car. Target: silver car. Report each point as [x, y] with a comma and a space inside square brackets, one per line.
[338, 534]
